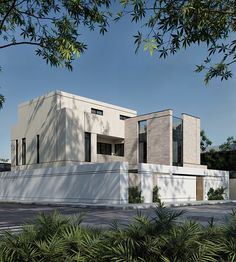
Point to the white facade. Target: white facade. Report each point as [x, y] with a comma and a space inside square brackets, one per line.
[67, 148]
[59, 122]
[180, 183]
[105, 183]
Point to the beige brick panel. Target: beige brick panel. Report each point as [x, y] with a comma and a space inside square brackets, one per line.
[191, 140]
[159, 140]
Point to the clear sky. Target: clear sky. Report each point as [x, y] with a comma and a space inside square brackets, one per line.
[111, 72]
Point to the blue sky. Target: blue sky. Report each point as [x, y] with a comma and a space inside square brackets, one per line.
[111, 72]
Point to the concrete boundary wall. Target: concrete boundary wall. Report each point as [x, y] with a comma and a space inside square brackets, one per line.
[232, 189]
[105, 183]
[179, 183]
[216, 179]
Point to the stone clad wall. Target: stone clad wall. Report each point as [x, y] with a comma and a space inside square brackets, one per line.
[159, 140]
[131, 141]
[191, 140]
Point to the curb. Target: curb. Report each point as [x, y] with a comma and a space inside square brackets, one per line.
[122, 206]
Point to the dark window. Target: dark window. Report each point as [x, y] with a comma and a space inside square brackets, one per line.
[23, 151]
[37, 149]
[177, 141]
[122, 117]
[96, 111]
[119, 149]
[17, 149]
[87, 146]
[103, 148]
[143, 141]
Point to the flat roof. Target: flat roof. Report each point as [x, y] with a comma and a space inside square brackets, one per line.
[80, 98]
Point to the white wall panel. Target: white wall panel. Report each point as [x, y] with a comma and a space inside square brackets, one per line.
[92, 183]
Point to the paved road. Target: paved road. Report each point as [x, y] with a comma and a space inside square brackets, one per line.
[12, 216]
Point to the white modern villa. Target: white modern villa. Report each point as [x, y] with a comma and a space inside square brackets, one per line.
[69, 148]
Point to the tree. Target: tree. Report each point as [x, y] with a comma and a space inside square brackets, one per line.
[2, 100]
[223, 159]
[205, 142]
[228, 144]
[51, 26]
[170, 25]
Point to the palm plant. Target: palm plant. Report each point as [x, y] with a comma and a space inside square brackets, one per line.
[164, 238]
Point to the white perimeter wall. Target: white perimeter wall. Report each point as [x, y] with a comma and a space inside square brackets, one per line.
[216, 179]
[106, 183]
[232, 189]
[90, 183]
[177, 188]
[179, 183]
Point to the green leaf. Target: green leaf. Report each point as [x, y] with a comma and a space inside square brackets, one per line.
[150, 45]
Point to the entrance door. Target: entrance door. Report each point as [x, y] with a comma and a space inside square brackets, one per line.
[199, 188]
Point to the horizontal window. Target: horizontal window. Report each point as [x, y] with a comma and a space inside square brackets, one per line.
[119, 149]
[96, 111]
[103, 148]
[122, 117]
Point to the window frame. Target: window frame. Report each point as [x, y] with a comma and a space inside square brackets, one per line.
[104, 148]
[38, 147]
[17, 152]
[96, 111]
[87, 147]
[120, 148]
[23, 151]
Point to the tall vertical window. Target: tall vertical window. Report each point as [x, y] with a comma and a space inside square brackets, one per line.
[23, 151]
[177, 141]
[142, 128]
[119, 149]
[37, 149]
[17, 149]
[87, 147]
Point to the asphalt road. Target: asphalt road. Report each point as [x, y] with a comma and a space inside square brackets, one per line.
[13, 216]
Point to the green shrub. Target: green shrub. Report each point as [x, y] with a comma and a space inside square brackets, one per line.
[53, 237]
[155, 195]
[216, 194]
[135, 195]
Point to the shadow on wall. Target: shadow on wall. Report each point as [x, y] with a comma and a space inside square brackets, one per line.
[61, 133]
[41, 120]
[215, 180]
[98, 183]
[176, 188]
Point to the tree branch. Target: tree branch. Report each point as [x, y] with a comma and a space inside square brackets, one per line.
[21, 43]
[38, 17]
[7, 14]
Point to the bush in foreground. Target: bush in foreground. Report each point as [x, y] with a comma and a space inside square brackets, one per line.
[53, 237]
